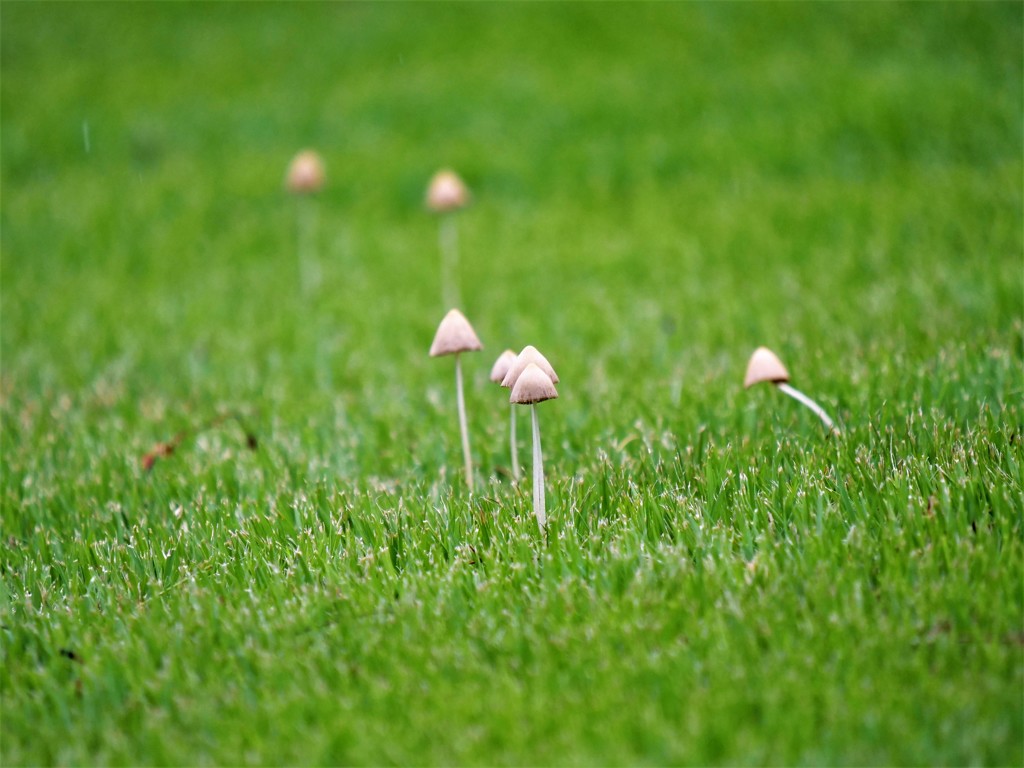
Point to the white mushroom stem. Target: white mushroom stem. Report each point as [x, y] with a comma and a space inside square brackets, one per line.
[448, 243]
[512, 443]
[802, 398]
[306, 236]
[462, 422]
[538, 472]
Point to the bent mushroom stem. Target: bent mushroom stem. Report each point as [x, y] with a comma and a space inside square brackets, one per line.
[462, 423]
[802, 398]
[538, 472]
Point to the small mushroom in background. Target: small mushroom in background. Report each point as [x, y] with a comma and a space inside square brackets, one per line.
[765, 365]
[446, 194]
[534, 386]
[454, 336]
[305, 177]
[498, 371]
[305, 173]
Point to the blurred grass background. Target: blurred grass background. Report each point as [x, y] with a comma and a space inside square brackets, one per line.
[658, 189]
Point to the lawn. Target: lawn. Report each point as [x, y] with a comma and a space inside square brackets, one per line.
[657, 190]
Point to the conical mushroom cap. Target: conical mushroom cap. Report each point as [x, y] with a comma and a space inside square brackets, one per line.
[446, 192]
[454, 335]
[501, 365]
[765, 366]
[527, 356]
[305, 173]
[533, 386]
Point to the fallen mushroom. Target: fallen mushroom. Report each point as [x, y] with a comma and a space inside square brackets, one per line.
[531, 387]
[764, 365]
[498, 371]
[305, 177]
[446, 194]
[454, 336]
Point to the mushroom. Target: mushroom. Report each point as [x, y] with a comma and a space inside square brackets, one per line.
[529, 354]
[305, 173]
[501, 366]
[455, 335]
[305, 177]
[764, 365]
[531, 387]
[446, 194]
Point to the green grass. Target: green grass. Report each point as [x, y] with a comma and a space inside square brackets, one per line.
[658, 189]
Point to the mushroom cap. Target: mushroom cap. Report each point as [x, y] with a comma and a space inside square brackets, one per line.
[446, 192]
[527, 356]
[305, 173]
[454, 335]
[533, 386]
[764, 365]
[501, 365]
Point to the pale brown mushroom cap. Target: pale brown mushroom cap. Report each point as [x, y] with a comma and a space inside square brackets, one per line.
[523, 359]
[454, 335]
[501, 365]
[446, 192]
[764, 365]
[305, 173]
[533, 386]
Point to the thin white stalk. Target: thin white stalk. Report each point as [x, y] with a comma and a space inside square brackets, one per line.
[462, 423]
[538, 472]
[306, 236]
[513, 449]
[448, 244]
[799, 396]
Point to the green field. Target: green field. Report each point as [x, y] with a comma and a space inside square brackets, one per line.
[657, 190]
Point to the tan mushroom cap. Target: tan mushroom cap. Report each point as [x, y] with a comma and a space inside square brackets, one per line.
[533, 386]
[523, 359]
[454, 335]
[501, 365]
[764, 365]
[305, 173]
[446, 192]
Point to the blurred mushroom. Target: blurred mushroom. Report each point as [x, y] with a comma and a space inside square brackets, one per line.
[534, 386]
[305, 177]
[305, 173]
[764, 366]
[446, 194]
[454, 336]
[498, 371]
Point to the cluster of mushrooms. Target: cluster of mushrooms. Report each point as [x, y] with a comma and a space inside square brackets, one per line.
[528, 374]
[532, 380]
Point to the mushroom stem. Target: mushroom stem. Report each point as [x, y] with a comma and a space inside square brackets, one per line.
[306, 237]
[802, 398]
[538, 472]
[512, 443]
[462, 423]
[448, 243]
